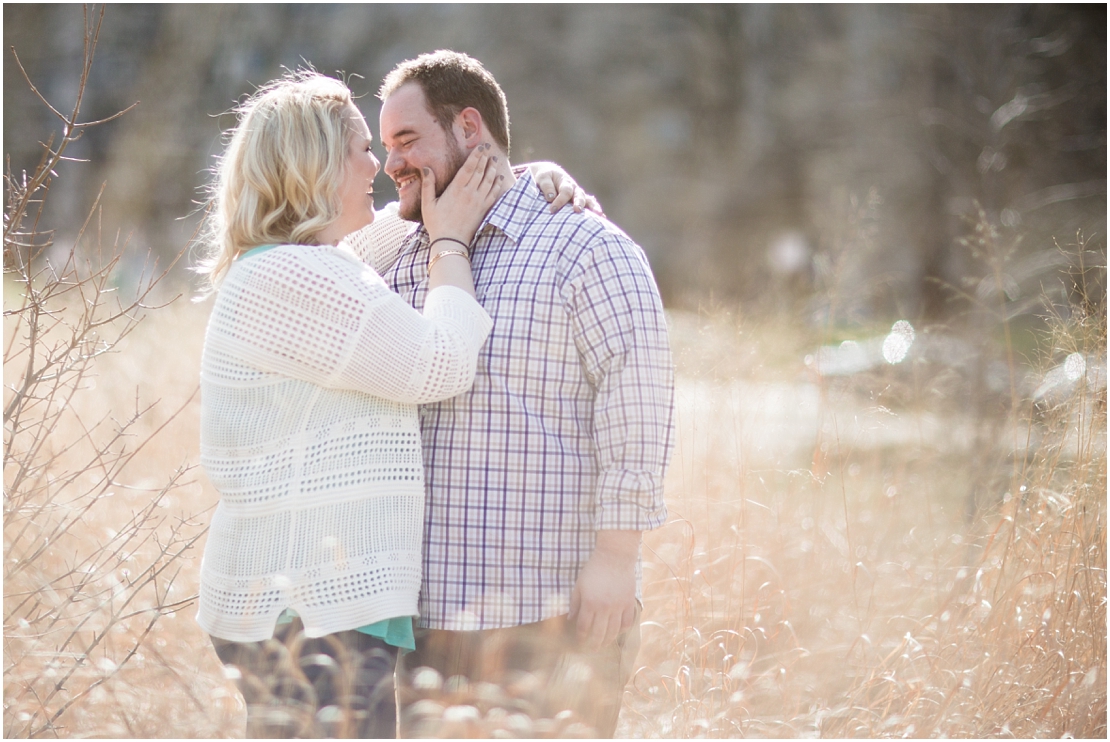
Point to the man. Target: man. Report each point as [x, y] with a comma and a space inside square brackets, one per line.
[541, 478]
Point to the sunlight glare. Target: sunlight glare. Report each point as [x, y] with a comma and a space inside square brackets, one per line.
[1075, 367]
[897, 343]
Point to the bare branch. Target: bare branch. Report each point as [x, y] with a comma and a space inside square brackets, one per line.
[35, 90]
[70, 590]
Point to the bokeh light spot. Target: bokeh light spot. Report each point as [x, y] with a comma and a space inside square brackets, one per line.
[897, 343]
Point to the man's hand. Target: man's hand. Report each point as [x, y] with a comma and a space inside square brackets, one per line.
[604, 599]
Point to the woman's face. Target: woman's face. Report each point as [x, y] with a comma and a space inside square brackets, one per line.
[356, 193]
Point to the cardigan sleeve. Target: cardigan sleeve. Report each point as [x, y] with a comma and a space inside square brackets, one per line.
[379, 245]
[318, 315]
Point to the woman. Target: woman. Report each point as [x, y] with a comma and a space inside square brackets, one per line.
[311, 374]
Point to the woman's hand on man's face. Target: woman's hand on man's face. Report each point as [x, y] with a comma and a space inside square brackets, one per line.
[474, 189]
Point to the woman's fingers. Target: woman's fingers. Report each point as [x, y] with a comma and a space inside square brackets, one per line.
[471, 167]
[579, 200]
[428, 186]
[478, 173]
[491, 179]
[469, 177]
[564, 193]
[545, 181]
[464, 202]
[568, 192]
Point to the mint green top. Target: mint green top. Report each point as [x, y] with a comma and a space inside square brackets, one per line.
[396, 632]
[257, 250]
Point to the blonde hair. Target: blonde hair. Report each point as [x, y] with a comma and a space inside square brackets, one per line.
[278, 180]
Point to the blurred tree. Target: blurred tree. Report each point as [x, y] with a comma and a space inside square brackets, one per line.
[729, 140]
[1017, 125]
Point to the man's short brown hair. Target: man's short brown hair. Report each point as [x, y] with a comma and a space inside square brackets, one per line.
[452, 81]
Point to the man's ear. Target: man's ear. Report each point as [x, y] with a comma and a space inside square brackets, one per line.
[470, 126]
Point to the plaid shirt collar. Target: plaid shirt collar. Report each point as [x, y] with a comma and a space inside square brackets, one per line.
[516, 209]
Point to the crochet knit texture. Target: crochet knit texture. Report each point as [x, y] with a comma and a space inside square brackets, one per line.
[311, 374]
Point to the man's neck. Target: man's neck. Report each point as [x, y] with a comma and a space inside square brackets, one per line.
[505, 168]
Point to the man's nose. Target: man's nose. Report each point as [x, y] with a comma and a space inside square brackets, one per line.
[393, 163]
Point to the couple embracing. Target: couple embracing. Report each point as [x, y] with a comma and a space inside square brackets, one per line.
[437, 430]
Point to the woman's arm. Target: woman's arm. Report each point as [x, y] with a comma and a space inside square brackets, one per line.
[453, 218]
[379, 245]
[319, 315]
[560, 189]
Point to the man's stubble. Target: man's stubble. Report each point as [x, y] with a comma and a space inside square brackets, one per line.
[455, 157]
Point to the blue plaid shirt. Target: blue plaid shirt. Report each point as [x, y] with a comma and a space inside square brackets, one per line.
[570, 423]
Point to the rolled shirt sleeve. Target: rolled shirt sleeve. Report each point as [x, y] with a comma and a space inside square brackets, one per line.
[621, 335]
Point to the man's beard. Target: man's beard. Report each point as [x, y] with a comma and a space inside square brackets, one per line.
[455, 159]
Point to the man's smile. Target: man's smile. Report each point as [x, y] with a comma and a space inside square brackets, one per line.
[403, 181]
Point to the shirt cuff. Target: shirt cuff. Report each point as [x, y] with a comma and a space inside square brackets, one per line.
[629, 501]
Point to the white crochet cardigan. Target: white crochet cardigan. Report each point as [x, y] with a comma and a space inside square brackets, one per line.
[311, 374]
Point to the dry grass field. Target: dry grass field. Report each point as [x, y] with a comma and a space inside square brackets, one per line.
[825, 571]
[899, 532]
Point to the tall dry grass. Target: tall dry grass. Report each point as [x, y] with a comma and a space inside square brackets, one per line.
[863, 601]
[915, 563]
[98, 624]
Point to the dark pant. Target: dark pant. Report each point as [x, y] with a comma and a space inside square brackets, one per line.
[529, 681]
[339, 685]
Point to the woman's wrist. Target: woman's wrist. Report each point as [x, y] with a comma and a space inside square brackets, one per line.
[447, 254]
[450, 234]
[442, 247]
[438, 244]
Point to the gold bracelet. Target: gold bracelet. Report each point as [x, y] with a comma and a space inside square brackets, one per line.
[460, 253]
[449, 239]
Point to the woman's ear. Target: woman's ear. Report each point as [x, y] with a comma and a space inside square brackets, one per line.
[471, 127]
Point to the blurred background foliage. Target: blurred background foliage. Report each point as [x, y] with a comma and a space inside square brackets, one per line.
[739, 144]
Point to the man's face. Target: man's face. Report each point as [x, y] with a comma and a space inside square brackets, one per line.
[413, 140]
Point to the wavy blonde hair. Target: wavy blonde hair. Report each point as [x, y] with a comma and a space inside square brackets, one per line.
[278, 180]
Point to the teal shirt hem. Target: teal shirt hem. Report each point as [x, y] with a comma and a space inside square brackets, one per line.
[396, 632]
